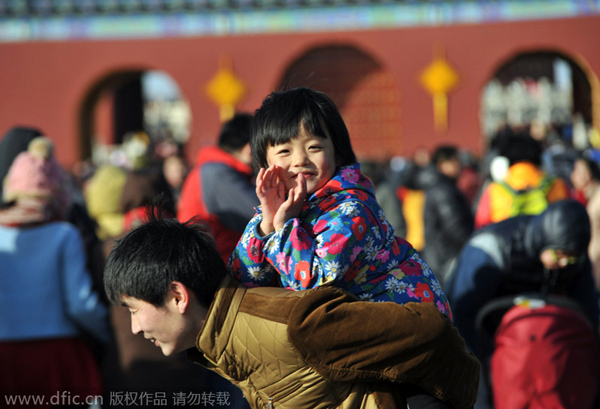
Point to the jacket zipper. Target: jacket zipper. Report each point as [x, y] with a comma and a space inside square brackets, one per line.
[270, 404]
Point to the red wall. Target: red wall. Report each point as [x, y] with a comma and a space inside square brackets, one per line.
[44, 83]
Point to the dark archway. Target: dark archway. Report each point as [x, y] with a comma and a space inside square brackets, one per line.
[127, 102]
[542, 87]
[125, 89]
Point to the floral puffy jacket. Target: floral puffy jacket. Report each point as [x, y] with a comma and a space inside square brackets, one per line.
[343, 239]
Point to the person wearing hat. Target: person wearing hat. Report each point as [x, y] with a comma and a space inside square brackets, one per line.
[46, 296]
[524, 254]
[14, 141]
[17, 140]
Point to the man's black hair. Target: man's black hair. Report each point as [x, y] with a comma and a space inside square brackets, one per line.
[235, 133]
[445, 152]
[148, 259]
[521, 147]
[281, 115]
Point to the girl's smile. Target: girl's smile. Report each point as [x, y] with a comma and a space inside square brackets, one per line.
[309, 155]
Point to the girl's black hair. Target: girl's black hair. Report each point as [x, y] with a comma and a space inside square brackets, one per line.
[281, 115]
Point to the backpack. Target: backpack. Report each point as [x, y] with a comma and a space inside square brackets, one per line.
[546, 354]
[532, 200]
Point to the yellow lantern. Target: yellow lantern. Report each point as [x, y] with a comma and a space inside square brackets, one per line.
[439, 78]
[225, 89]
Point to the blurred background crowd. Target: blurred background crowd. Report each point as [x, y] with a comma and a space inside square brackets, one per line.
[81, 161]
[436, 199]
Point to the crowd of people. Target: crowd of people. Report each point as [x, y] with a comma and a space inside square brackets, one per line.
[282, 201]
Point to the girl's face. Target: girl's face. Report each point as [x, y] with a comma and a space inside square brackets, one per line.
[309, 155]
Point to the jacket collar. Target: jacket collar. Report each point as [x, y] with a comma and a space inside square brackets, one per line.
[214, 335]
[347, 177]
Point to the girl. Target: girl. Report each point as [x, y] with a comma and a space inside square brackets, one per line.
[319, 223]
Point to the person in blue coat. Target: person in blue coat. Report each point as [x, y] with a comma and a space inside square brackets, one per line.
[523, 254]
[48, 305]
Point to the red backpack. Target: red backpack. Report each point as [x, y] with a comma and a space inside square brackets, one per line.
[546, 355]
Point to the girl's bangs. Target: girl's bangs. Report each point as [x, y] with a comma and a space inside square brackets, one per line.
[279, 133]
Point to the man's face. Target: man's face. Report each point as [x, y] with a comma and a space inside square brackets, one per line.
[450, 167]
[166, 327]
[555, 259]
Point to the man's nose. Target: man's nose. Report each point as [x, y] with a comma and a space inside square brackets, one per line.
[135, 326]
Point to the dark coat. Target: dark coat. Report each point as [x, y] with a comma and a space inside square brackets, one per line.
[448, 220]
[504, 259]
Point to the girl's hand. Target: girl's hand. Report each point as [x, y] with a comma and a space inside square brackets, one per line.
[293, 205]
[271, 194]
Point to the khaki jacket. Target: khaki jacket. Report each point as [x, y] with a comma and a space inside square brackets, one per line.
[323, 348]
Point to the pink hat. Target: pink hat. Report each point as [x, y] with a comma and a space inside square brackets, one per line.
[36, 174]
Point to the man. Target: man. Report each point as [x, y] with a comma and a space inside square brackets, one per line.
[219, 190]
[447, 215]
[284, 349]
[520, 255]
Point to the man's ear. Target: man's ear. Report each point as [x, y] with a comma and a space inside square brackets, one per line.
[180, 296]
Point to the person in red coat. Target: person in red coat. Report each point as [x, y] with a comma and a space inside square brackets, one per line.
[220, 190]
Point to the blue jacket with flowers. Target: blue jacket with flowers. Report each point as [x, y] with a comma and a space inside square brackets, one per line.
[340, 238]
